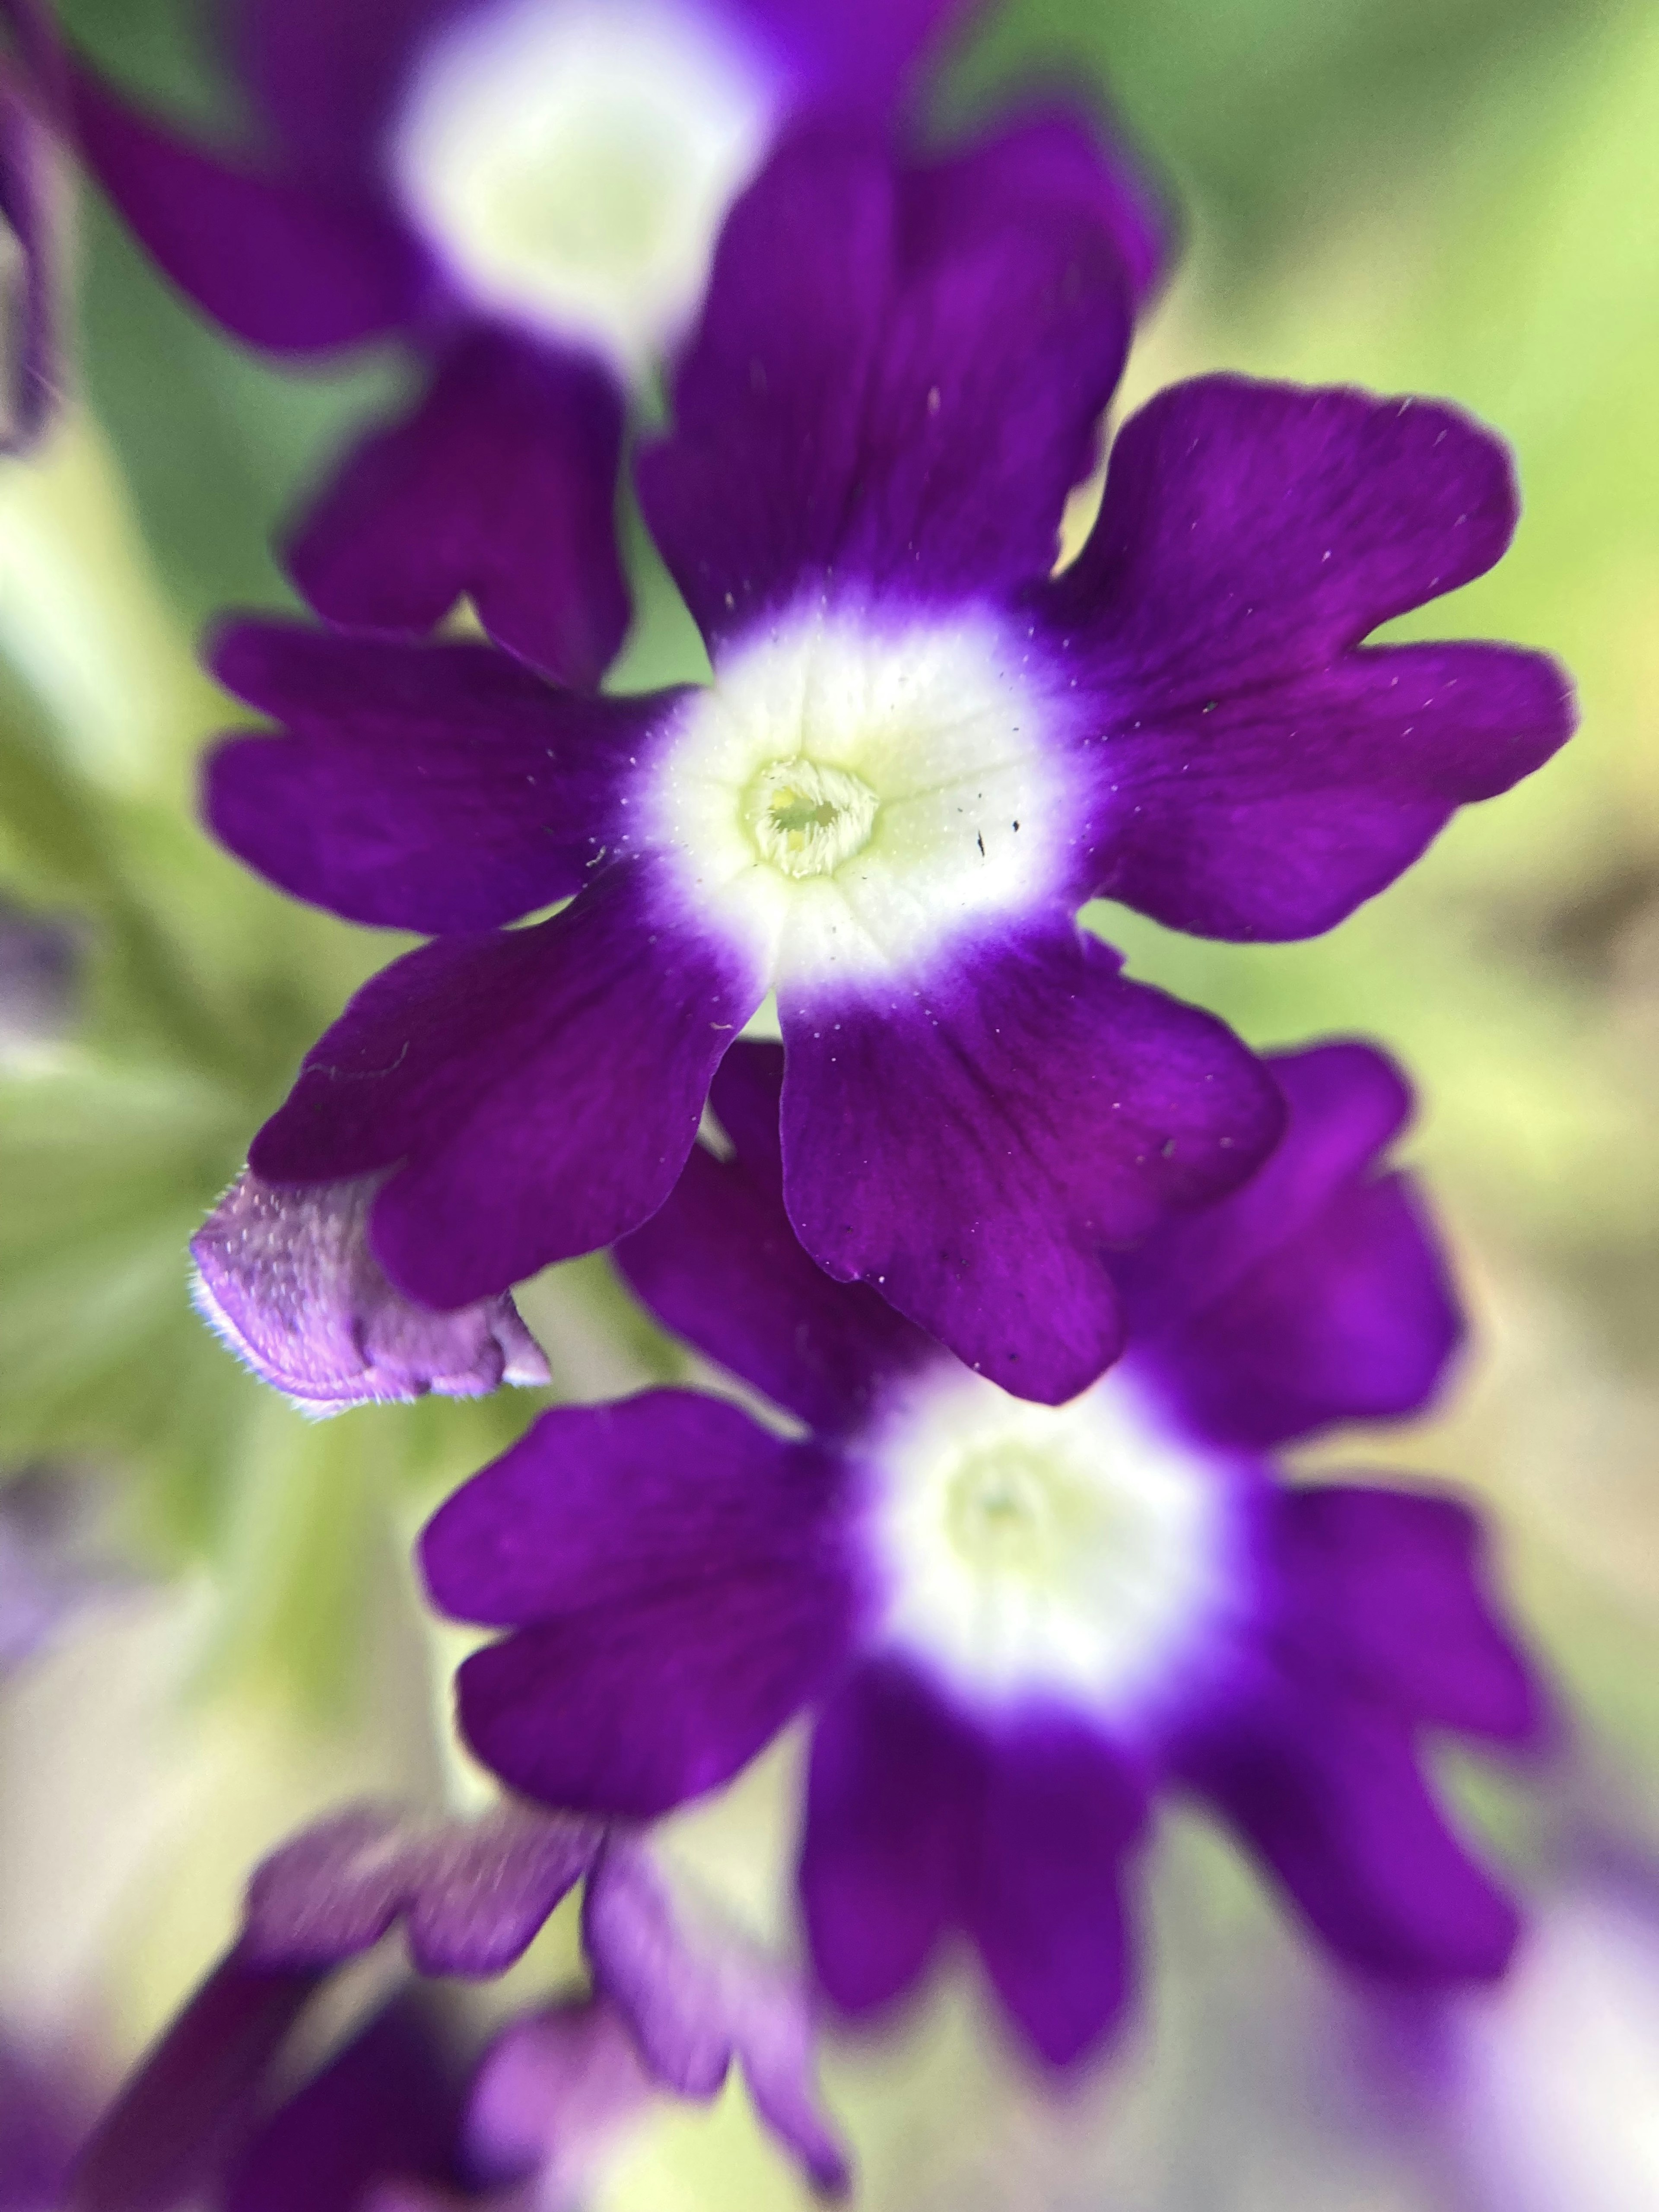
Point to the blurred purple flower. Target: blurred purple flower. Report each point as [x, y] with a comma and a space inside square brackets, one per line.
[680, 1994]
[697, 1997]
[472, 1897]
[51, 1570]
[32, 206]
[555, 2094]
[472, 1894]
[39, 966]
[530, 191]
[1018, 1625]
[286, 1277]
[1537, 2096]
[919, 755]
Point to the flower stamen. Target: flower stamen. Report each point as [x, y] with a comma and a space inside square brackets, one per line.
[1001, 1512]
[806, 819]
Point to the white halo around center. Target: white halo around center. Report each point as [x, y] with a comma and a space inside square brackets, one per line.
[571, 161]
[849, 795]
[1077, 1549]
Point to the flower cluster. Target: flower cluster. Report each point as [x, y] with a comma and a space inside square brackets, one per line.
[918, 756]
[675, 1997]
[1015, 1273]
[1016, 1624]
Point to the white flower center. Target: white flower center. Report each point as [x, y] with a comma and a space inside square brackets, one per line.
[571, 161]
[1076, 1549]
[847, 796]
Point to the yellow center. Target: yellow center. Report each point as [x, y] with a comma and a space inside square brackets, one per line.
[806, 819]
[1010, 1510]
[600, 199]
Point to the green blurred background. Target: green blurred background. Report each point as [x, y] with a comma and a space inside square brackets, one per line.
[1454, 196]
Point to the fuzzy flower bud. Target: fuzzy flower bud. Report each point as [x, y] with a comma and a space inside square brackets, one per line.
[287, 1278]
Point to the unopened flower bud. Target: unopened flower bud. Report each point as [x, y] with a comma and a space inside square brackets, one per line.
[286, 1276]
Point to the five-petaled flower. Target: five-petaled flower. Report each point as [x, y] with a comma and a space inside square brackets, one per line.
[528, 191]
[920, 753]
[1015, 1625]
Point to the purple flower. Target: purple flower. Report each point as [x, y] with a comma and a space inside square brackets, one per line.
[1534, 2096]
[530, 191]
[1016, 1624]
[555, 2093]
[680, 1994]
[32, 205]
[52, 1569]
[39, 978]
[286, 1277]
[685, 1997]
[918, 756]
[1546, 2102]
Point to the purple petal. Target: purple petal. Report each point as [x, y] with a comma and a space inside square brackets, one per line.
[1316, 1292]
[1056, 159]
[422, 787]
[41, 2123]
[387, 2109]
[894, 1799]
[553, 2090]
[543, 1088]
[191, 2102]
[286, 1279]
[473, 1894]
[35, 1600]
[858, 57]
[1274, 813]
[880, 394]
[917, 1821]
[28, 29]
[696, 1997]
[599, 1504]
[1257, 530]
[1387, 1591]
[720, 1266]
[1062, 1812]
[328, 74]
[33, 201]
[51, 1571]
[1344, 1103]
[500, 484]
[681, 1584]
[1048, 1110]
[1327, 1791]
[278, 264]
[1355, 1320]
[1259, 778]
